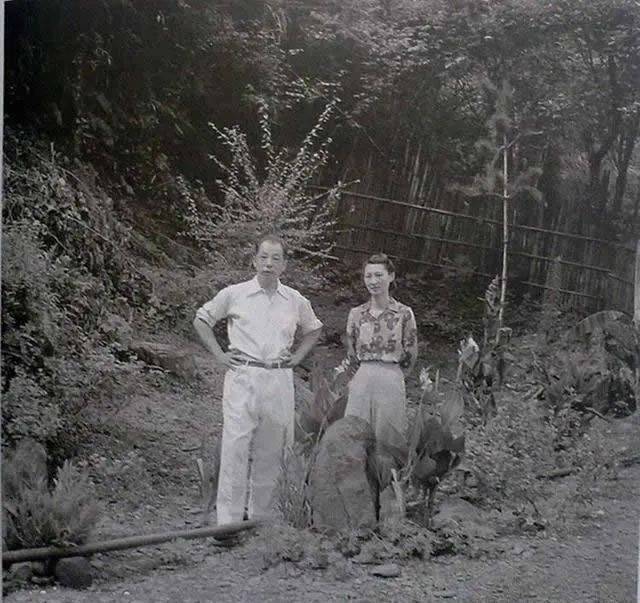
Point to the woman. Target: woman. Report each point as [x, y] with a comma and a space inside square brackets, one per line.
[382, 341]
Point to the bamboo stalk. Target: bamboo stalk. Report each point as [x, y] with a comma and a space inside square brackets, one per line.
[475, 272]
[544, 258]
[404, 259]
[524, 227]
[621, 279]
[567, 291]
[118, 544]
[416, 235]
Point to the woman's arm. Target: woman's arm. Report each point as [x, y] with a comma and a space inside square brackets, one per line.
[409, 342]
[350, 363]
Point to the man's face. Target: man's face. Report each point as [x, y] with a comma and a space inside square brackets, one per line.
[269, 261]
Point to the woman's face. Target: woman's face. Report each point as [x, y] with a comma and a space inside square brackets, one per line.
[377, 278]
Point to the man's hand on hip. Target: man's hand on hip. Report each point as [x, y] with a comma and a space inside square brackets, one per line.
[228, 361]
[288, 360]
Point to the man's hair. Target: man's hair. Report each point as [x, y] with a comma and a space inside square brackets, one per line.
[271, 238]
[380, 258]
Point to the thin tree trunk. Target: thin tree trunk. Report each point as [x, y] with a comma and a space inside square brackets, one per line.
[627, 145]
[505, 235]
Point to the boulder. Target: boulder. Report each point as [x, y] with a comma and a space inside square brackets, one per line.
[74, 572]
[341, 493]
[176, 361]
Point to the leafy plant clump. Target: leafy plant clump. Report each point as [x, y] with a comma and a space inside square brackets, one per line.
[436, 443]
[37, 516]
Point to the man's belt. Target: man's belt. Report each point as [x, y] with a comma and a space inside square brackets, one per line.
[277, 364]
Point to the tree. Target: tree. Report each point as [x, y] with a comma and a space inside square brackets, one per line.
[498, 147]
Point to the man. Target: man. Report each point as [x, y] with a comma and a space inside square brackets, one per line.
[258, 404]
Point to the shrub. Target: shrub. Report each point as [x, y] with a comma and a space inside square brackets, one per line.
[28, 412]
[265, 196]
[36, 516]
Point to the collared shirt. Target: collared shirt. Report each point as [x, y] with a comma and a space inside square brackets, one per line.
[260, 327]
[391, 336]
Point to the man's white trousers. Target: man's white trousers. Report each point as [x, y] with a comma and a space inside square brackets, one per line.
[258, 412]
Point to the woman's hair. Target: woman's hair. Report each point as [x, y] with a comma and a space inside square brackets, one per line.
[380, 258]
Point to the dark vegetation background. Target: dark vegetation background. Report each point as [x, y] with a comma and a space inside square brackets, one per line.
[130, 88]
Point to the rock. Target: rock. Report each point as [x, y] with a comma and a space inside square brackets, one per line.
[388, 570]
[176, 361]
[116, 329]
[341, 495]
[41, 568]
[20, 572]
[74, 572]
[320, 560]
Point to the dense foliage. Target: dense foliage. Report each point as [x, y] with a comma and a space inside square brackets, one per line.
[132, 86]
[68, 286]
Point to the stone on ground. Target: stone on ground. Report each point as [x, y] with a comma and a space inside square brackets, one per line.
[176, 361]
[341, 494]
[388, 570]
[74, 572]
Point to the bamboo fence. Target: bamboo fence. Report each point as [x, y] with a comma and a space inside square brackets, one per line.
[596, 272]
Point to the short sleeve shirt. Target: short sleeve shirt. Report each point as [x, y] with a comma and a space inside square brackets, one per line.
[260, 327]
[390, 337]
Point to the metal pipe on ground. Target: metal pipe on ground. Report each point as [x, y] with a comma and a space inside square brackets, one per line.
[219, 532]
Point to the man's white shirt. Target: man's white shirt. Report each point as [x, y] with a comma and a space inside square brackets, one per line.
[260, 327]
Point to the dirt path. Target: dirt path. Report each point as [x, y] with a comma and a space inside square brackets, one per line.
[154, 487]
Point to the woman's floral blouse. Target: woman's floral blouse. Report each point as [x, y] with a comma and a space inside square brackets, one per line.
[390, 337]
